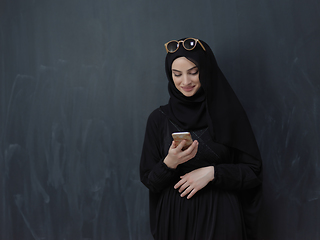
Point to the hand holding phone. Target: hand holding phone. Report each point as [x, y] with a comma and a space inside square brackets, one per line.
[178, 137]
[176, 155]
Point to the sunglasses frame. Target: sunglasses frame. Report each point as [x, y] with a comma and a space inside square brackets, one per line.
[194, 39]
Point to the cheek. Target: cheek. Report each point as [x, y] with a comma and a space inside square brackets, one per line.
[199, 82]
[175, 81]
[196, 80]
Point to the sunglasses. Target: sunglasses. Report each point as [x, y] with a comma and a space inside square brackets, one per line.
[188, 44]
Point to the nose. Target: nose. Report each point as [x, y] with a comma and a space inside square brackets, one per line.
[186, 80]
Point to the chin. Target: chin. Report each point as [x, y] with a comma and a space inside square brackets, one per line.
[188, 94]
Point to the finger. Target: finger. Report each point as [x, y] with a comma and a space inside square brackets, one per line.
[193, 192]
[194, 151]
[183, 187]
[186, 192]
[193, 147]
[173, 145]
[182, 181]
[181, 144]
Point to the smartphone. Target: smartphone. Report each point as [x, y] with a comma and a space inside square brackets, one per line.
[179, 136]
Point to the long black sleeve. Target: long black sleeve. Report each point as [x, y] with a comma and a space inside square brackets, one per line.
[154, 174]
[243, 174]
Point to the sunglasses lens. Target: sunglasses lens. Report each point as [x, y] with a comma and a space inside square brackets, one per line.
[189, 44]
[172, 46]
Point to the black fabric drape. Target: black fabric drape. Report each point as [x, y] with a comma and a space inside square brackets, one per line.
[216, 106]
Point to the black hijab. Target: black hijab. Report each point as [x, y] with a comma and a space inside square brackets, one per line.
[214, 105]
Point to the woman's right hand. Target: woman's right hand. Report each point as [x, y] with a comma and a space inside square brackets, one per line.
[178, 156]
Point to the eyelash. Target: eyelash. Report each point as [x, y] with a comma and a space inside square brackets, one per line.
[195, 73]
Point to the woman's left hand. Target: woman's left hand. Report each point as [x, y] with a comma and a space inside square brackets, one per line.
[194, 181]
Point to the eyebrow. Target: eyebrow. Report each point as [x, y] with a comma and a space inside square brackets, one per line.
[187, 70]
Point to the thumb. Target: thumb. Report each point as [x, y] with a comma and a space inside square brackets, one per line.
[173, 145]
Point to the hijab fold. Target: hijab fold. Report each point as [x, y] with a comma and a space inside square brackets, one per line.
[188, 112]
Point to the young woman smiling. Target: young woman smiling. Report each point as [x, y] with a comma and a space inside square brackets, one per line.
[212, 189]
[185, 75]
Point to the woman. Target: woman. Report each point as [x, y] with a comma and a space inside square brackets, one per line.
[212, 189]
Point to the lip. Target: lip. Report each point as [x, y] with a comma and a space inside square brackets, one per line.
[188, 89]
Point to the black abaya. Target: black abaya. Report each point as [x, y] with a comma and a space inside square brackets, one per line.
[227, 208]
[215, 212]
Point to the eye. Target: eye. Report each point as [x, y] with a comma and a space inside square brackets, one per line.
[194, 72]
[176, 74]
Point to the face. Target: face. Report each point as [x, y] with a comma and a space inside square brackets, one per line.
[185, 75]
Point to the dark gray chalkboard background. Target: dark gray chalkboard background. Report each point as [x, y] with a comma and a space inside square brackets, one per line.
[78, 79]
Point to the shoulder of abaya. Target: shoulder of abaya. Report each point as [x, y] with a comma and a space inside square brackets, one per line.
[159, 114]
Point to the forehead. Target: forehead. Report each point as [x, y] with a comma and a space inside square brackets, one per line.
[182, 63]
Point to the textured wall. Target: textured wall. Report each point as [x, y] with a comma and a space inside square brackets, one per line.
[78, 79]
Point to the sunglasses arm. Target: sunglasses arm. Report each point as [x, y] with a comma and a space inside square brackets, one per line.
[201, 45]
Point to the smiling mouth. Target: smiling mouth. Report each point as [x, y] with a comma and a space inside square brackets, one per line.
[188, 89]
